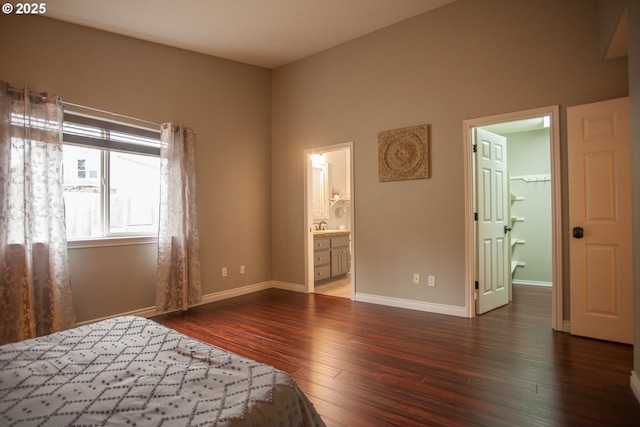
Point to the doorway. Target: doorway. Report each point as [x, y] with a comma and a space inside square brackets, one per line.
[330, 220]
[509, 123]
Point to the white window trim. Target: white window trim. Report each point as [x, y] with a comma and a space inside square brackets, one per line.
[96, 242]
[109, 239]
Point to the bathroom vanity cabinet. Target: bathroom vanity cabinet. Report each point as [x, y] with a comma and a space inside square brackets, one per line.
[321, 258]
[331, 254]
[340, 255]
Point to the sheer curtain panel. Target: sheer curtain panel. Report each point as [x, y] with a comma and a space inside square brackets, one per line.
[178, 280]
[35, 288]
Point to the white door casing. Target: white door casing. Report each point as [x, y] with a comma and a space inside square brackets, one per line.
[553, 112]
[493, 225]
[308, 214]
[601, 261]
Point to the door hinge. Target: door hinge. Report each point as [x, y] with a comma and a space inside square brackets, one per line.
[475, 216]
[475, 148]
[477, 285]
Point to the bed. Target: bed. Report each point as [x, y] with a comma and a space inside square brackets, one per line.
[132, 371]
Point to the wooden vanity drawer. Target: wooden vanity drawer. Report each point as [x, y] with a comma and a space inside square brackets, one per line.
[321, 257]
[321, 243]
[320, 273]
[339, 241]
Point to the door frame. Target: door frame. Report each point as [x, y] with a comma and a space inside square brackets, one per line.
[557, 321]
[308, 213]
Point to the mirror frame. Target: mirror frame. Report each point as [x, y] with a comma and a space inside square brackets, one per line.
[323, 211]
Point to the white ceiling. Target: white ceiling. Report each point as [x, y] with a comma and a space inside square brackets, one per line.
[267, 33]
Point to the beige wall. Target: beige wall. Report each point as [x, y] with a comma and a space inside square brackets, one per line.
[228, 105]
[466, 60]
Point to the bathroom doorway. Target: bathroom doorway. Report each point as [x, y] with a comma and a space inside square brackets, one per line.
[329, 221]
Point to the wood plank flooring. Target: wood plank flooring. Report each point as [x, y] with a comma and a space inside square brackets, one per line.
[369, 365]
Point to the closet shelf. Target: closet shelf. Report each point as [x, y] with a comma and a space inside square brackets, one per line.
[515, 242]
[516, 264]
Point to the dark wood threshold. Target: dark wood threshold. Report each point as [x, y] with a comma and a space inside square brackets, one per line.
[369, 365]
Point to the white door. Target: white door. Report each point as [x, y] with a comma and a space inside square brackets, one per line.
[600, 220]
[493, 224]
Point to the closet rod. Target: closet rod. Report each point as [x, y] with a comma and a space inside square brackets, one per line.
[532, 178]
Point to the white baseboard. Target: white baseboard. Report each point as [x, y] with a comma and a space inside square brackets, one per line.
[531, 283]
[216, 296]
[288, 286]
[635, 385]
[373, 299]
[236, 292]
[430, 307]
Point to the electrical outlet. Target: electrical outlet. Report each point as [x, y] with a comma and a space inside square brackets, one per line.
[431, 281]
[416, 278]
[224, 271]
[242, 269]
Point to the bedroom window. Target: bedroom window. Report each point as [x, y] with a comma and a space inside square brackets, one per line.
[111, 177]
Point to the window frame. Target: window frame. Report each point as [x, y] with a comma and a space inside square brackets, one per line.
[148, 144]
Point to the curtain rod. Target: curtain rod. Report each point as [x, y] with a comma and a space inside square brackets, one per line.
[71, 104]
[20, 91]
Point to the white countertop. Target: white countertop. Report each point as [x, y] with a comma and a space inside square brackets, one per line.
[329, 233]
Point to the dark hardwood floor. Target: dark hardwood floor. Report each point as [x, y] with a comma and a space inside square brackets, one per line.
[368, 365]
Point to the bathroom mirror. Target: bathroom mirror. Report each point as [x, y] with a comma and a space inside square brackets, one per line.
[320, 192]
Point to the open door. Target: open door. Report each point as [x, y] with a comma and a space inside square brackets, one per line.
[493, 223]
[600, 219]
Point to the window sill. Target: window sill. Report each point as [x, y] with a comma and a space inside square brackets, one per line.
[112, 241]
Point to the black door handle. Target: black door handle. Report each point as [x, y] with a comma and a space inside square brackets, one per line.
[506, 229]
[578, 232]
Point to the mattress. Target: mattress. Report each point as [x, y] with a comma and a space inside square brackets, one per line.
[132, 371]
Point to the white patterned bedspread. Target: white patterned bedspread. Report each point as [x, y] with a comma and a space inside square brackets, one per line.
[130, 371]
